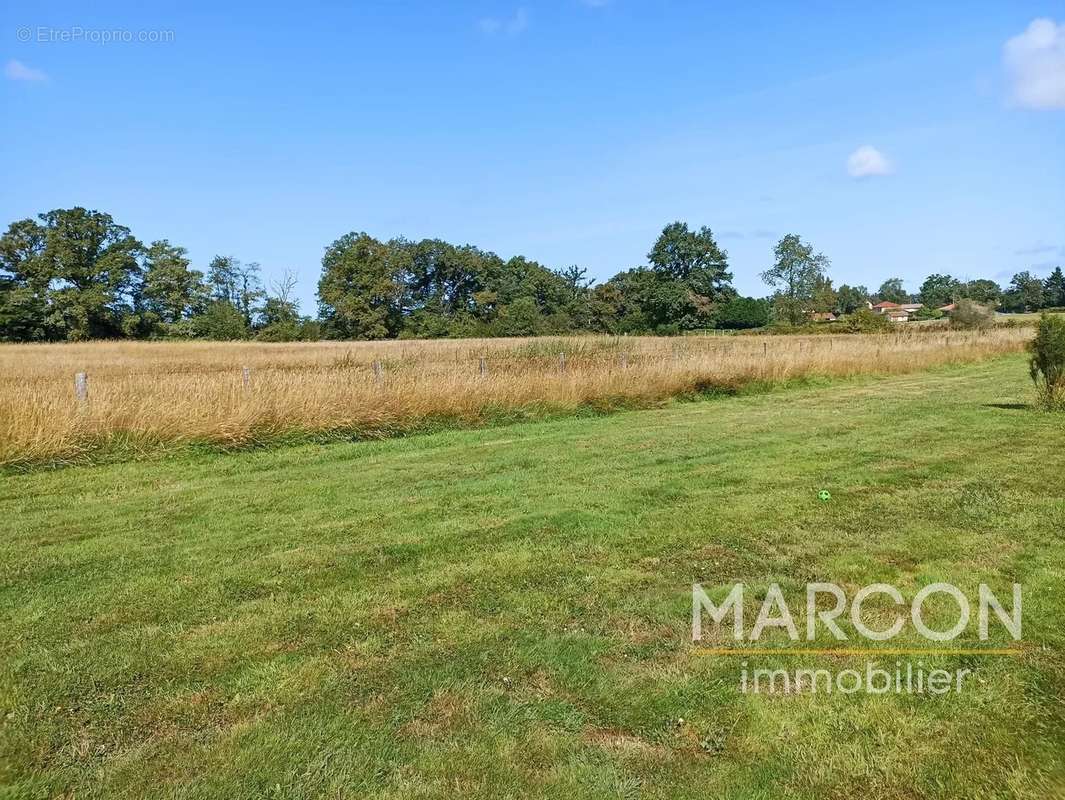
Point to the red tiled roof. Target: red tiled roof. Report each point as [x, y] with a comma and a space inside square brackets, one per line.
[887, 304]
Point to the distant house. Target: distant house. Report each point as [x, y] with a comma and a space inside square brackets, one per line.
[896, 312]
[884, 306]
[823, 316]
[949, 308]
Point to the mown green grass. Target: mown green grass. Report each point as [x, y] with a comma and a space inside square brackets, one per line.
[506, 612]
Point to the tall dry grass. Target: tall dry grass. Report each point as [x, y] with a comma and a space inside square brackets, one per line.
[145, 395]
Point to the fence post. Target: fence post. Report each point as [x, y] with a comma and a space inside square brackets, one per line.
[483, 367]
[81, 387]
[245, 377]
[562, 362]
[765, 349]
[378, 372]
[624, 360]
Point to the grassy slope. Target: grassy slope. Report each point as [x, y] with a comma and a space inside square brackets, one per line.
[505, 612]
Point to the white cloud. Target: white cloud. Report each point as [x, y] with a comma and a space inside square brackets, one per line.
[511, 26]
[1035, 61]
[17, 71]
[867, 161]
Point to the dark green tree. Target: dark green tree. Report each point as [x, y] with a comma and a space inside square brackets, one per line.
[892, 291]
[576, 280]
[361, 291]
[653, 302]
[171, 291]
[1054, 289]
[1025, 293]
[1047, 362]
[743, 312]
[850, 298]
[939, 290]
[220, 321]
[78, 268]
[983, 291]
[238, 284]
[693, 259]
[824, 297]
[24, 283]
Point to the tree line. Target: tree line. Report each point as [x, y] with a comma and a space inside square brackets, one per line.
[75, 274]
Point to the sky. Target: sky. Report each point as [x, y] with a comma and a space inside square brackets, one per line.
[900, 139]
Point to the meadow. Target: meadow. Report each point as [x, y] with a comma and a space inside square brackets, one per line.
[144, 397]
[506, 611]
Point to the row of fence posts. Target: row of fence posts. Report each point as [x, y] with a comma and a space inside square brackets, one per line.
[81, 379]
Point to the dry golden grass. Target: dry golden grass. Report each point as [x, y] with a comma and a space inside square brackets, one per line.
[143, 395]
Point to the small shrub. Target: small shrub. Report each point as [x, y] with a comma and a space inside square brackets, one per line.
[972, 315]
[1047, 362]
[866, 321]
[927, 313]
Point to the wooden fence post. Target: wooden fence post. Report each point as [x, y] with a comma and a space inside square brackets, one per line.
[483, 367]
[81, 387]
[624, 360]
[378, 372]
[245, 377]
[562, 362]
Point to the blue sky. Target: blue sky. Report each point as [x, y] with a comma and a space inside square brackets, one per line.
[565, 131]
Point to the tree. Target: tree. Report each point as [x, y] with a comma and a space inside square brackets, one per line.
[891, 291]
[235, 283]
[279, 317]
[575, 278]
[850, 298]
[76, 271]
[795, 275]
[24, 283]
[171, 291]
[743, 312]
[220, 321]
[361, 291]
[1054, 289]
[693, 259]
[983, 291]
[520, 318]
[939, 290]
[653, 302]
[223, 280]
[824, 296]
[1025, 293]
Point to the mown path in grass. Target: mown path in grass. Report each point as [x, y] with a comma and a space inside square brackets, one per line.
[506, 612]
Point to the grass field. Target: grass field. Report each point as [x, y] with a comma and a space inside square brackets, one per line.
[505, 612]
[152, 396]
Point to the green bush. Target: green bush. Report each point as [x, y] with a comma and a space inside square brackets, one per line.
[743, 312]
[968, 314]
[1047, 362]
[865, 320]
[927, 313]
